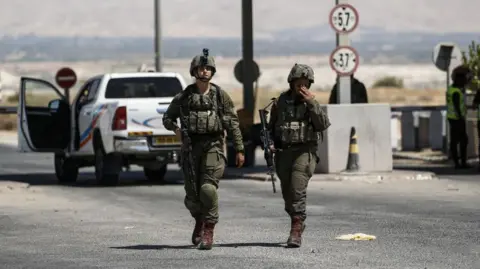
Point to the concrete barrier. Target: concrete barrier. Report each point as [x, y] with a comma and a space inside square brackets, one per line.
[373, 139]
[437, 134]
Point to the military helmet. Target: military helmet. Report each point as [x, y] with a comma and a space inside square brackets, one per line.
[301, 71]
[202, 60]
[461, 71]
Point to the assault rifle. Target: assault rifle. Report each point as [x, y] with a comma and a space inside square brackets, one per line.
[267, 143]
[187, 157]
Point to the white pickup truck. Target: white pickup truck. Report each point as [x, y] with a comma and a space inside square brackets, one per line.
[115, 120]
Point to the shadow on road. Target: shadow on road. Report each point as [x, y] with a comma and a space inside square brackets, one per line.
[440, 169]
[127, 179]
[232, 245]
[87, 180]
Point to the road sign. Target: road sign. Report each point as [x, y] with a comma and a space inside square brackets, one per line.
[66, 78]
[446, 56]
[344, 18]
[344, 60]
[238, 71]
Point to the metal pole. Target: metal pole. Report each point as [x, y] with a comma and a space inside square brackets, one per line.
[343, 82]
[247, 46]
[158, 36]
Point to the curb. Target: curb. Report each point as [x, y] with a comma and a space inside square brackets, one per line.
[420, 158]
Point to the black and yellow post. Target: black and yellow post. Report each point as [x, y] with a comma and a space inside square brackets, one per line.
[352, 163]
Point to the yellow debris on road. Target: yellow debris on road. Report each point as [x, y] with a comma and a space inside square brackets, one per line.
[356, 237]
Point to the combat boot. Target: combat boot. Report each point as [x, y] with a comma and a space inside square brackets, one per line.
[207, 238]
[197, 231]
[297, 228]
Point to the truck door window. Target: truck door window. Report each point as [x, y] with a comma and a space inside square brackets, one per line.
[93, 91]
[144, 87]
[82, 98]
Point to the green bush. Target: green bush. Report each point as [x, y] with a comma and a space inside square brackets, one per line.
[388, 82]
[473, 62]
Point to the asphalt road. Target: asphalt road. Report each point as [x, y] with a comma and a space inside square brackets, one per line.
[418, 224]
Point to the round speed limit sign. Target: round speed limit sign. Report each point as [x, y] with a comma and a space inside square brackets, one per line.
[344, 18]
[344, 60]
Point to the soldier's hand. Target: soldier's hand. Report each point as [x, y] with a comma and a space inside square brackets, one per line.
[306, 94]
[272, 148]
[240, 159]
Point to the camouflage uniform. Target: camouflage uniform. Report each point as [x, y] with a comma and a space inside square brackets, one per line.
[295, 127]
[207, 117]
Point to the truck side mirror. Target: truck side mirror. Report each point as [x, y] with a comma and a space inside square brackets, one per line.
[54, 104]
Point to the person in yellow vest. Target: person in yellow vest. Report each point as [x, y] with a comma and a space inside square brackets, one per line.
[456, 115]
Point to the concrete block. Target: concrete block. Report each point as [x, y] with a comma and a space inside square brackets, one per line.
[407, 121]
[395, 132]
[423, 131]
[372, 122]
[436, 132]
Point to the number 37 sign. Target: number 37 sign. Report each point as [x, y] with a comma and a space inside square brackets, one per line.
[344, 60]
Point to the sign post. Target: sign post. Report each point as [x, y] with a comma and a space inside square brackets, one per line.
[66, 79]
[344, 59]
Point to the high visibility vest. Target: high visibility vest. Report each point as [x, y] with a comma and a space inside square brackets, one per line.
[451, 114]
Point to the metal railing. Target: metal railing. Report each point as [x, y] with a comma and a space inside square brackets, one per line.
[8, 110]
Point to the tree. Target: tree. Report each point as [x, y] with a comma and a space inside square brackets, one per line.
[473, 62]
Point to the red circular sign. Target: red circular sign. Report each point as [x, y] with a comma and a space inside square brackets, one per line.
[66, 78]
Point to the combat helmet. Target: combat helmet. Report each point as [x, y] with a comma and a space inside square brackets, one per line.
[301, 71]
[202, 60]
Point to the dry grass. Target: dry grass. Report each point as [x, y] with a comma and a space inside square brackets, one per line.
[393, 96]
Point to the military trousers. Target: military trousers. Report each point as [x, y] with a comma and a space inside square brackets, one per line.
[201, 197]
[295, 167]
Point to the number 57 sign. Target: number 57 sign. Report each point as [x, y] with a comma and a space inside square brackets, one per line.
[344, 18]
[344, 60]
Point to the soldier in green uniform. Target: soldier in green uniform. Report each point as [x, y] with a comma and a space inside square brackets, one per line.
[207, 112]
[296, 125]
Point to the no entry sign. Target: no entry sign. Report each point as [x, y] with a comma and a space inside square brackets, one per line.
[66, 78]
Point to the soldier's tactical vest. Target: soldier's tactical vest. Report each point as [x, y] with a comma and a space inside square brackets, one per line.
[201, 112]
[293, 125]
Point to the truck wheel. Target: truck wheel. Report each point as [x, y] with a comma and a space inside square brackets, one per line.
[157, 175]
[103, 178]
[66, 169]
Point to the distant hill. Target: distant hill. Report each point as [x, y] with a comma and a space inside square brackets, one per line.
[374, 47]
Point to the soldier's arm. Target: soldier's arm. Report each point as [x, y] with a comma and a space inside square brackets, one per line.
[172, 114]
[319, 118]
[233, 123]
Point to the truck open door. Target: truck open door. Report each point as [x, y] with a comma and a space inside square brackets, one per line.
[43, 117]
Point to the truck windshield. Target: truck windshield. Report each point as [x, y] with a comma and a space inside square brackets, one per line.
[144, 87]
